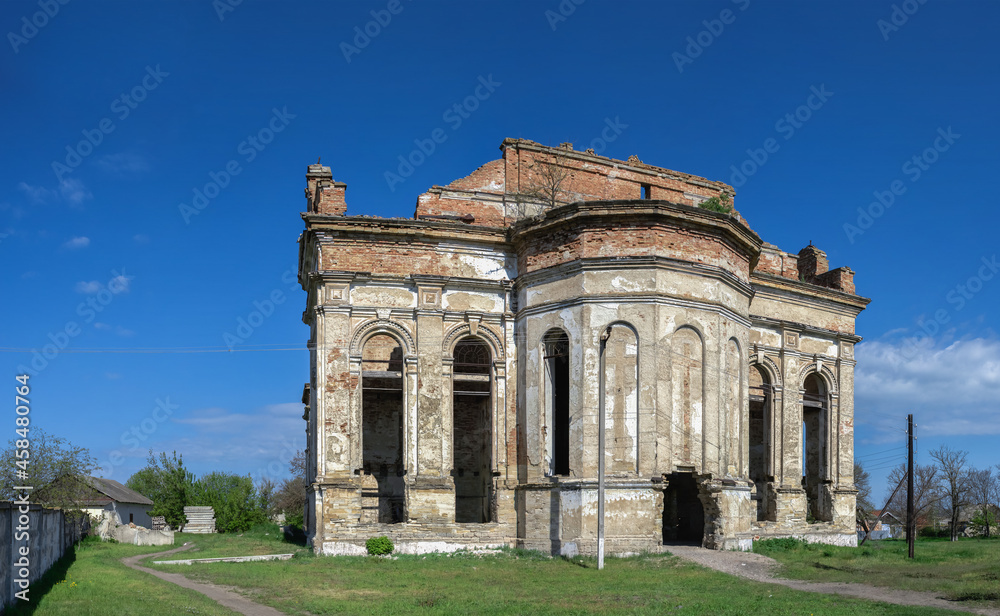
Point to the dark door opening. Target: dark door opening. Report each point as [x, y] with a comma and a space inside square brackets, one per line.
[683, 514]
[472, 432]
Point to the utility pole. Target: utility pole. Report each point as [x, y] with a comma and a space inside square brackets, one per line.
[911, 524]
[600, 451]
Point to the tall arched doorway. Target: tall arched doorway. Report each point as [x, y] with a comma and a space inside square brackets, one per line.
[472, 388]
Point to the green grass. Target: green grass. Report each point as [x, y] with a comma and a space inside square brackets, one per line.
[91, 580]
[965, 570]
[517, 582]
[262, 539]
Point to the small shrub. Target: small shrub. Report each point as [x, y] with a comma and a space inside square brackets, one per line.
[379, 546]
[722, 204]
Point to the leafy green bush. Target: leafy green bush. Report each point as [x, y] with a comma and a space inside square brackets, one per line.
[379, 546]
[722, 204]
[296, 520]
[234, 499]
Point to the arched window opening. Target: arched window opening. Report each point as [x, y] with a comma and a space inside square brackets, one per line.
[815, 413]
[382, 426]
[761, 409]
[557, 399]
[472, 386]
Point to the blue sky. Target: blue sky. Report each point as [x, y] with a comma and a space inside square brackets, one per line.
[117, 113]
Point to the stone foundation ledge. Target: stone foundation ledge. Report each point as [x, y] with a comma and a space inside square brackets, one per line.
[588, 547]
[829, 537]
[357, 547]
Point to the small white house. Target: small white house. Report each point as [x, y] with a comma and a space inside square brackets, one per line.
[109, 495]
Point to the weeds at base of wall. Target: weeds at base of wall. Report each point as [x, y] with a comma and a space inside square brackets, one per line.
[379, 546]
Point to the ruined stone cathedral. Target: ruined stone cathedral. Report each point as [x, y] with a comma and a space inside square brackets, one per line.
[461, 360]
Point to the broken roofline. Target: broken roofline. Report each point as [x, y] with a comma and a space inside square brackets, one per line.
[328, 196]
[632, 164]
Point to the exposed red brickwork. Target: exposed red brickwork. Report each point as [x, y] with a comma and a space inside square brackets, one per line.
[491, 193]
[778, 262]
[403, 258]
[841, 279]
[635, 239]
[479, 195]
[494, 196]
[323, 194]
[812, 263]
[590, 177]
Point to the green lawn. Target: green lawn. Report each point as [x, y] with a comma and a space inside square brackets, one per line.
[261, 540]
[513, 582]
[91, 580]
[965, 570]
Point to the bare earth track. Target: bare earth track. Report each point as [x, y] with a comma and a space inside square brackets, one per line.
[220, 595]
[761, 569]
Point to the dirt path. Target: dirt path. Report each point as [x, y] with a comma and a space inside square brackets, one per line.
[222, 596]
[761, 569]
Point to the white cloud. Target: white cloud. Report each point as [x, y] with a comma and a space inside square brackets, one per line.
[120, 282]
[88, 288]
[260, 441]
[73, 191]
[123, 163]
[37, 194]
[77, 242]
[70, 190]
[953, 388]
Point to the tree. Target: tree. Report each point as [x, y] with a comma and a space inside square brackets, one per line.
[51, 466]
[955, 482]
[984, 493]
[167, 483]
[290, 499]
[926, 491]
[235, 500]
[863, 482]
[543, 188]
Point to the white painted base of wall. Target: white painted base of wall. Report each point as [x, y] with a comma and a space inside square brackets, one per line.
[346, 548]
